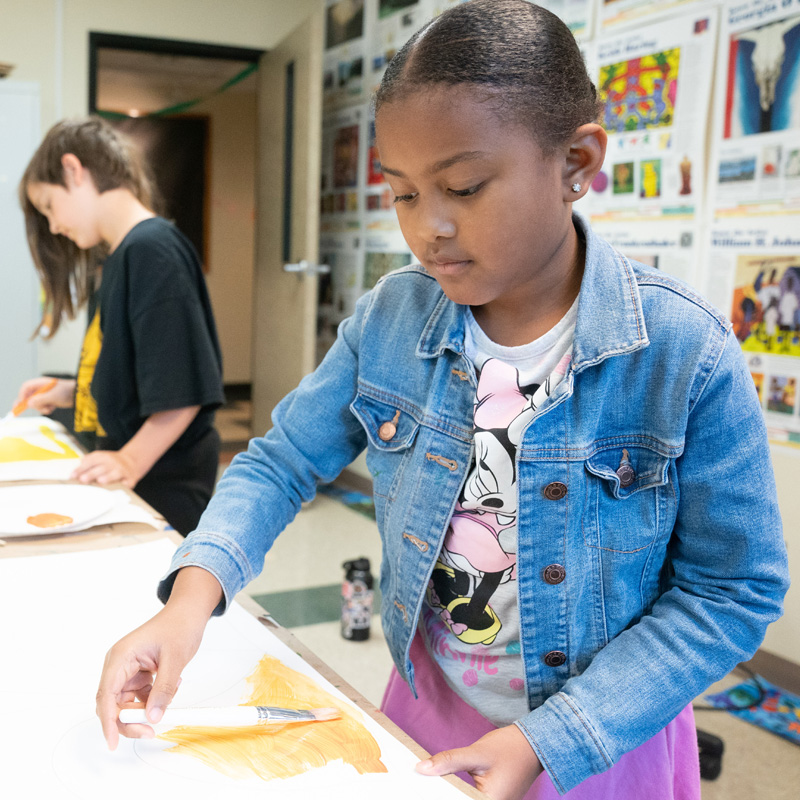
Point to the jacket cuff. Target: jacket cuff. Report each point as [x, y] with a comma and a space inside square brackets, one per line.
[219, 555]
[565, 742]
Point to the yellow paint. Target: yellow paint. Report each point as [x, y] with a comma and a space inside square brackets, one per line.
[282, 751]
[15, 448]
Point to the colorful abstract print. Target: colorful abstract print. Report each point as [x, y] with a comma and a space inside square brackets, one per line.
[640, 93]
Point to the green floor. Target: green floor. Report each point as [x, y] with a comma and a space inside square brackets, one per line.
[308, 606]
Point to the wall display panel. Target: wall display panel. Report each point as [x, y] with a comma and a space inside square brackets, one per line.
[756, 160]
[754, 277]
[342, 170]
[753, 271]
[655, 86]
[345, 52]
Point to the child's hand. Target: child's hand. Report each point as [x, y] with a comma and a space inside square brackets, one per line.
[145, 665]
[502, 763]
[108, 466]
[59, 396]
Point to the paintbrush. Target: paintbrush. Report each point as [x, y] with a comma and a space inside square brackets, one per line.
[23, 404]
[229, 717]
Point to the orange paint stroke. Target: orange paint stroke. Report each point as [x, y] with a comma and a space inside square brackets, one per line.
[282, 751]
[48, 520]
[15, 448]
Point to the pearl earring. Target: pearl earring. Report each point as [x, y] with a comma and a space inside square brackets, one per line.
[576, 187]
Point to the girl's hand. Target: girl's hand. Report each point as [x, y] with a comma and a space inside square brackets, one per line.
[146, 664]
[502, 763]
[108, 466]
[60, 396]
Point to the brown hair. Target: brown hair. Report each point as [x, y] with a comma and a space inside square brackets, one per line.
[67, 273]
[522, 56]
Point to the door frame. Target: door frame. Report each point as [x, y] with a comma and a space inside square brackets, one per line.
[148, 44]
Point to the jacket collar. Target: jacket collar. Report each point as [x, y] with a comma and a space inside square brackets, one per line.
[610, 319]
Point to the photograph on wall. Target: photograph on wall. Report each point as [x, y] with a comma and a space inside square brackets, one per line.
[765, 311]
[344, 22]
[763, 87]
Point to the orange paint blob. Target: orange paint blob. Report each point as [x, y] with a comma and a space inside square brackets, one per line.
[282, 751]
[49, 520]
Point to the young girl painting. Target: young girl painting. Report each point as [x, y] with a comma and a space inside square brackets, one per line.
[150, 372]
[571, 475]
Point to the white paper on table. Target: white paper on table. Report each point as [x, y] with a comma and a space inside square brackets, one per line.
[125, 510]
[85, 506]
[54, 453]
[63, 613]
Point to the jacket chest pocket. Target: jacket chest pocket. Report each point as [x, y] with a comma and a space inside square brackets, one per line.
[628, 491]
[391, 433]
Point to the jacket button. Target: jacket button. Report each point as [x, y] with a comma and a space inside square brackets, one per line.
[555, 490]
[387, 431]
[626, 475]
[555, 658]
[555, 573]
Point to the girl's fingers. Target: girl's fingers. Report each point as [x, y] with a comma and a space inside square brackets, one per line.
[462, 759]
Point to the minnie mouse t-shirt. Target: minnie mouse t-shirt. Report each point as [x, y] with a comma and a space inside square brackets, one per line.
[470, 617]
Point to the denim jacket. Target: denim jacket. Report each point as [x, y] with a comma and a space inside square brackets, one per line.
[645, 475]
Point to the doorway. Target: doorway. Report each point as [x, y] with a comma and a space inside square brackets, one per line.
[193, 110]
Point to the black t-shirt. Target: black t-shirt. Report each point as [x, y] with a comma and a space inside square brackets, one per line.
[158, 347]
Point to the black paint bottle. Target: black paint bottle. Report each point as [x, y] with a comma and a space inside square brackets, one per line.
[357, 597]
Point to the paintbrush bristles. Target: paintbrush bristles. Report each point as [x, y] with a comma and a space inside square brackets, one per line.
[324, 714]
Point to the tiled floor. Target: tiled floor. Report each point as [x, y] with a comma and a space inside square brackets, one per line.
[300, 587]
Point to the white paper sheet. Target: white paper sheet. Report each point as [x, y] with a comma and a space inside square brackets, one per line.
[61, 614]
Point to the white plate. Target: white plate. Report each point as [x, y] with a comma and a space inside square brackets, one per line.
[83, 504]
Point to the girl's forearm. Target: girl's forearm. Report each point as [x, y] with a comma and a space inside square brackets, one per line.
[158, 433]
[196, 592]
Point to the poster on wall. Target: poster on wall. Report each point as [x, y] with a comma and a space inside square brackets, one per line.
[343, 60]
[655, 87]
[756, 165]
[341, 170]
[754, 277]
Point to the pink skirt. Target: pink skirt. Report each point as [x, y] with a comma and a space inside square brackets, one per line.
[665, 767]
